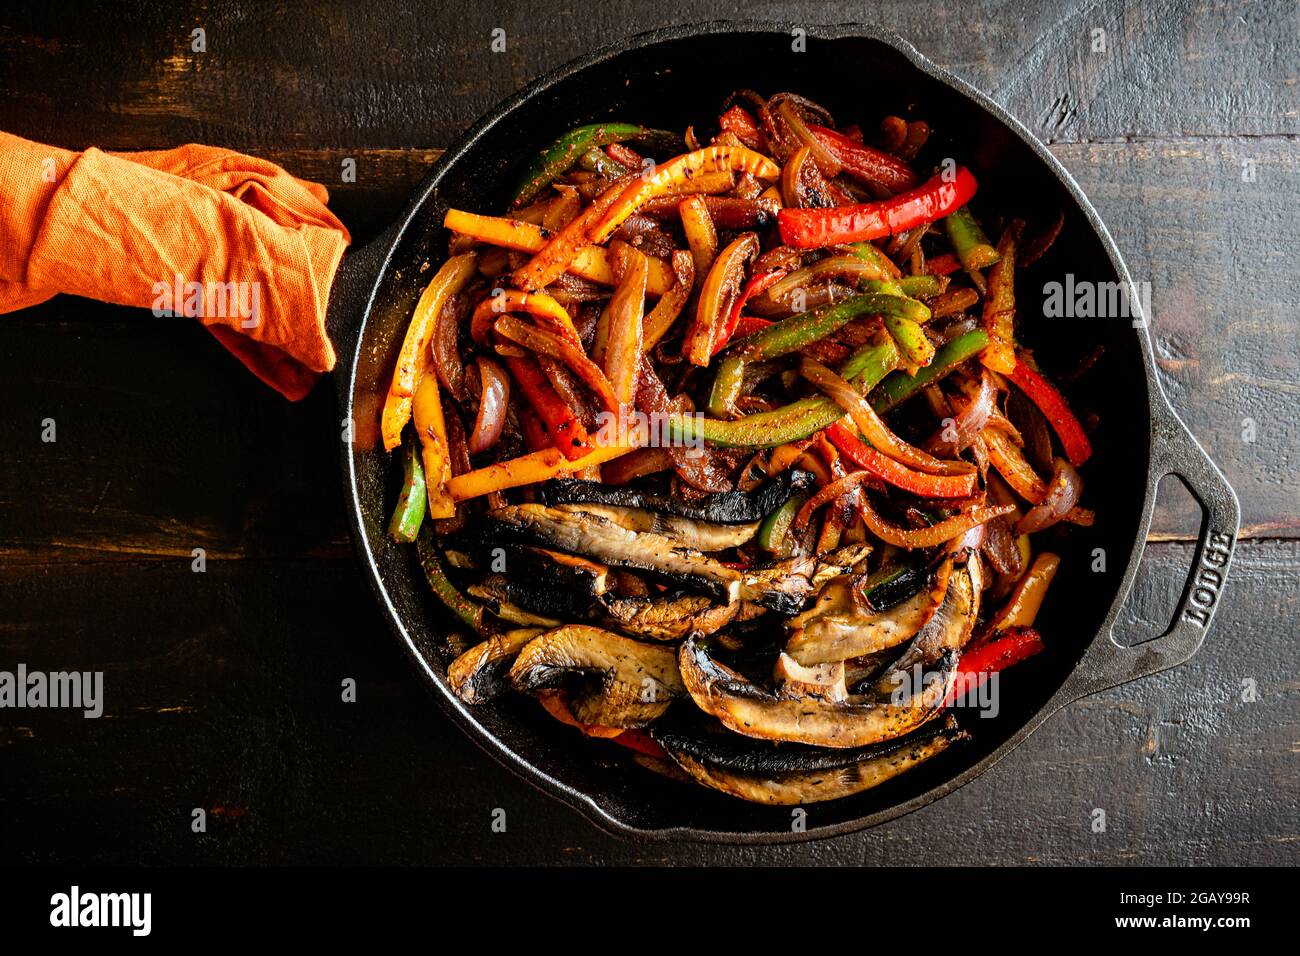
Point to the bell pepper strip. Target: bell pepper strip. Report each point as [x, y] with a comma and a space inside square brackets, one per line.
[1022, 606]
[1055, 409]
[793, 422]
[559, 420]
[701, 236]
[528, 469]
[411, 503]
[1000, 306]
[864, 163]
[431, 429]
[845, 438]
[973, 248]
[916, 349]
[922, 286]
[870, 252]
[774, 533]
[738, 121]
[640, 741]
[749, 324]
[538, 304]
[795, 334]
[718, 295]
[623, 348]
[674, 174]
[570, 354]
[934, 199]
[942, 265]
[602, 164]
[756, 285]
[661, 318]
[559, 157]
[556, 257]
[901, 386]
[872, 427]
[413, 359]
[591, 263]
[989, 657]
[626, 157]
[469, 612]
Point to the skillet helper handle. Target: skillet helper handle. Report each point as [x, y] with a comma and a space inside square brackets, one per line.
[1175, 452]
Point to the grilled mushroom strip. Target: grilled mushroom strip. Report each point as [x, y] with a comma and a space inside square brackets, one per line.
[668, 618]
[853, 722]
[788, 775]
[723, 507]
[615, 681]
[481, 673]
[700, 535]
[786, 586]
[601, 539]
[946, 633]
[836, 628]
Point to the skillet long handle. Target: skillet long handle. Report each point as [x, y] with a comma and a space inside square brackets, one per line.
[1175, 452]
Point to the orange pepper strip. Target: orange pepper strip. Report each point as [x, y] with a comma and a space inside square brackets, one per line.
[555, 258]
[539, 304]
[1000, 307]
[527, 470]
[672, 175]
[435, 450]
[414, 357]
[591, 263]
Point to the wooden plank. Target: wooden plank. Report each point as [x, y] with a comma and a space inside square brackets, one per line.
[225, 694]
[408, 73]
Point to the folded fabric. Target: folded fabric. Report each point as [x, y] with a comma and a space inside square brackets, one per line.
[229, 239]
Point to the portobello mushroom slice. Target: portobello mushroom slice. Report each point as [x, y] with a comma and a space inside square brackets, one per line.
[945, 633]
[547, 584]
[495, 592]
[786, 586]
[787, 776]
[836, 628]
[600, 539]
[855, 721]
[668, 618]
[825, 681]
[614, 680]
[724, 507]
[481, 673]
[700, 535]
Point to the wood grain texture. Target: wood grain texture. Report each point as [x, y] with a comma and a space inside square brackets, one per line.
[223, 688]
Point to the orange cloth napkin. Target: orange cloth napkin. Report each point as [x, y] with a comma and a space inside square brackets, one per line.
[124, 227]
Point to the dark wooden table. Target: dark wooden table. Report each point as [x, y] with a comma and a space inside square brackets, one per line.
[223, 688]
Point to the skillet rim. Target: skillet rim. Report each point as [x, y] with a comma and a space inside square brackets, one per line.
[375, 259]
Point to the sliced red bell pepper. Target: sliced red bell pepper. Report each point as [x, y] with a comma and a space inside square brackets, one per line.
[933, 199]
[945, 263]
[561, 423]
[629, 158]
[752, 288]
[977, 663]
[885, 468]
[740, 123]
[1056, 410]
[749, 324]
[641, 742]
[863, 162]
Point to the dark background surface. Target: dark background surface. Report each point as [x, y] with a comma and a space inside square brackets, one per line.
[223, 688]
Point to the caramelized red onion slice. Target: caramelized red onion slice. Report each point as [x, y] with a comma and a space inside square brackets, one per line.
[953, 439]
[1063, 493]
[494, 400]
[930, 537]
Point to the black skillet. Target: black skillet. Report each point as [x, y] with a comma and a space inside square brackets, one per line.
[681, 75]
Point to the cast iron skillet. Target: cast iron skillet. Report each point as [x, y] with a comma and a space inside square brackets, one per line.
[677, 76]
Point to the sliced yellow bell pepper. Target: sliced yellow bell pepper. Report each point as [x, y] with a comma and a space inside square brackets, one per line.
[527, 470]
[431, 428]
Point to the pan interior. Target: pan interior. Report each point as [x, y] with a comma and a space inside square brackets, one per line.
[672, 82]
